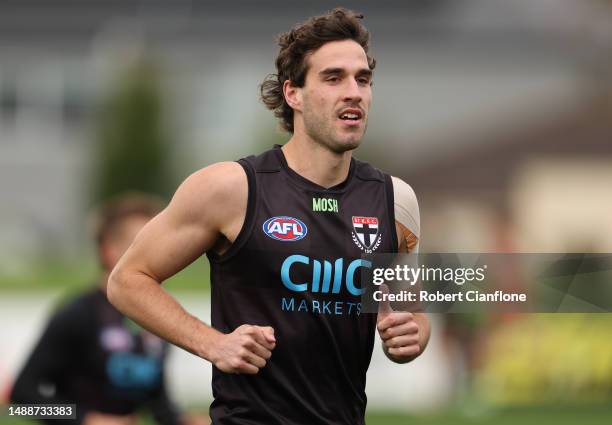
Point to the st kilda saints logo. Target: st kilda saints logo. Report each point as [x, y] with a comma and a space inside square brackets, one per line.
[366, 234]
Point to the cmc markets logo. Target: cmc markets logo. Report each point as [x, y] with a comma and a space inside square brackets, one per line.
[308, 278]
[283, 228]
[325, 276]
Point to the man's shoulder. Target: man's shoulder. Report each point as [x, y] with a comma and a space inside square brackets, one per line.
[80, 303]
[215, 183]
[75, 313]
[406, 205]
[366, 171]
[216, 175]
[264, 162]
[211, 196]
[403, 189]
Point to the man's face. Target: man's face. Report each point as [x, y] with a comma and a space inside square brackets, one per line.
[336, 95]
[120, 239]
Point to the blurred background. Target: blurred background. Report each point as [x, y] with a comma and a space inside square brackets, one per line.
[497, 112]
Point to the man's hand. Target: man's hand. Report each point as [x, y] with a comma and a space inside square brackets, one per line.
[399, 331]
[246, 350]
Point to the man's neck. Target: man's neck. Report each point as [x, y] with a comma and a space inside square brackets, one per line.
[315, 162]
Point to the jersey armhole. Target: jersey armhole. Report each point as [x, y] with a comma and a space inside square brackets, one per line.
[391, 211]
[249, 217]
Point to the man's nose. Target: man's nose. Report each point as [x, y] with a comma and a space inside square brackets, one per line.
[352, 90]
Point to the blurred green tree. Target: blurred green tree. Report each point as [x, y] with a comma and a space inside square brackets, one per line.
[132, 151]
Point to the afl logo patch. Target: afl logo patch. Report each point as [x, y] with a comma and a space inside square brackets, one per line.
[286, 229]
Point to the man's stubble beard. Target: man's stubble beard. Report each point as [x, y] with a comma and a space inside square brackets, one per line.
[321, 132]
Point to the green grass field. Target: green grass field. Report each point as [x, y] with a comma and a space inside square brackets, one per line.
[591, 415]
[72, 278]
[557, 415]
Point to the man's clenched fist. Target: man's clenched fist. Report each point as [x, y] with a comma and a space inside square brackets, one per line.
[246, 350]
[399, 332]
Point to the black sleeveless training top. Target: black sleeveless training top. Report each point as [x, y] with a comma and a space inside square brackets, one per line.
[295, 267]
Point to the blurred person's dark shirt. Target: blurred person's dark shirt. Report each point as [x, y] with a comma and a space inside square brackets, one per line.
[92, 355]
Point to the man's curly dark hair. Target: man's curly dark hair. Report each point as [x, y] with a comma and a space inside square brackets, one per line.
[295, 46]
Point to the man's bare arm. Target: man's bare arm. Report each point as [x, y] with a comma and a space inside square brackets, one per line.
[405, 335]
[206, 210]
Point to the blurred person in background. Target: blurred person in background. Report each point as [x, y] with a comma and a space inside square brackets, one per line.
[90, 354]
[284, 350]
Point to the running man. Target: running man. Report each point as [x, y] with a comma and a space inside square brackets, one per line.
[284, 232]
[92, 355]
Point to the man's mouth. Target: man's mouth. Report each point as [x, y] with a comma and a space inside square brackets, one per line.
[351, 115]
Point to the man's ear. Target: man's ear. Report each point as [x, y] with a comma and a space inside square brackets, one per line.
[293, 95]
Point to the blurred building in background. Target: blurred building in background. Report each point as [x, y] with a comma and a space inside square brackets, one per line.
[497, 112]
[469, 96]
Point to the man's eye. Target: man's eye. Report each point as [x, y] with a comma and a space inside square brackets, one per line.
[364, 81]
[333, 79]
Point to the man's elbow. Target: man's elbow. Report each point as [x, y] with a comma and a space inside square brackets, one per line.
[115, 286]
[125, 286]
